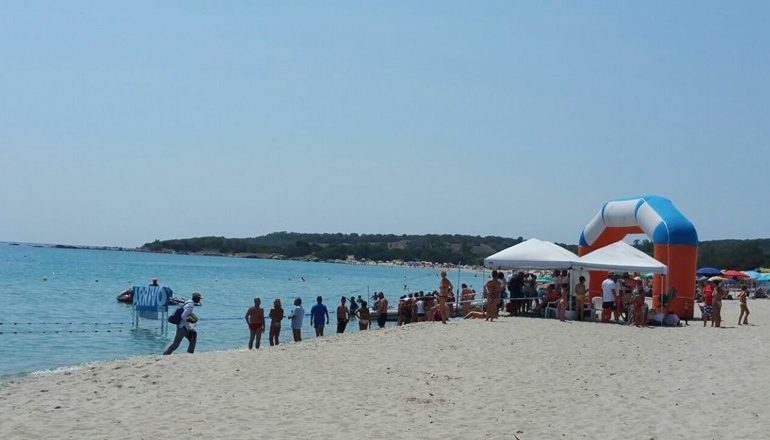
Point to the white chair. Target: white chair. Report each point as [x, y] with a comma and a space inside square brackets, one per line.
[552, 306]
[596, 308]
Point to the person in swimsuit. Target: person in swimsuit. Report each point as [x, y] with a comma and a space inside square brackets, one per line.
[363, 316]
[445, 290]
[640, 318]
[719, 293]
[742, 297]
[580, 297]
[255, 319]
[708, 301]
[342, 316]
[382, 310]
[563, 303]
[276, 315]
[492, 290]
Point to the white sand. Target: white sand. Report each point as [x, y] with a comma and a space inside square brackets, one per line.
[533, 378]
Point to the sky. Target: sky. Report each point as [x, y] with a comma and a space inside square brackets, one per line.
[126, 122]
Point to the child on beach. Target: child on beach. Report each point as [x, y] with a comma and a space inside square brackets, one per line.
[744, 307]
[276, 315]
[640, 318]
[563, 304]
[255, 319]
[719, 293]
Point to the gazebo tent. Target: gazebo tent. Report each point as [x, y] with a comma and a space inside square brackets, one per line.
[619, 256]
[532, 254]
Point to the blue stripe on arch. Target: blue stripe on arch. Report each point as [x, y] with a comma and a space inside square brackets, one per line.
[675, 229]
[604, 223]
[639, 205]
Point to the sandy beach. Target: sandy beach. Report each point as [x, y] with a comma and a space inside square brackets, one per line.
[520, 378]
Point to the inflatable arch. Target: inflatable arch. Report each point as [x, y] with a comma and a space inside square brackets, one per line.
[674, 238]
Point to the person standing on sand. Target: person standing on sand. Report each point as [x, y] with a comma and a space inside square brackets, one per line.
[296, 320]
[492, 291]
[353, 307]
[719, 293]
[255, 319]
[420, 308]
[185, 328]
[276, 315]
[363, 316]
[317, 315]
[580, 297]
[382, 310]
[708, 301]
[742, 297]
[563, 304]
[609, 292]
[444, 290]
[342, 316]
[503, 294]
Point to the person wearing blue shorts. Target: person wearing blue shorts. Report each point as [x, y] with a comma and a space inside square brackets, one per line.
[317, 314]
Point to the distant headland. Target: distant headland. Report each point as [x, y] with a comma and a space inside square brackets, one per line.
[447, 249]
[443, 249]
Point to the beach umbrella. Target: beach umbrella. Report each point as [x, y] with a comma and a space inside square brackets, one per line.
[764, 277]
[545, 279]
[734, 273]
[708, 272]
[717, 278]
[752, 274]
[647, 275]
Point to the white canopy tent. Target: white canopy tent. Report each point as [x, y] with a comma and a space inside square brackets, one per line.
[532, 254]
[619, 256]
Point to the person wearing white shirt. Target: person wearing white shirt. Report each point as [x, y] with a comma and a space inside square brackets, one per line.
[609, 291]
[186, 326]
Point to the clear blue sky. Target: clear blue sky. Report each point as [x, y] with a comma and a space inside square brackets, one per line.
[123, 122]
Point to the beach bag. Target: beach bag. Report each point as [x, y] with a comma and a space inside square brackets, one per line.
[176, 317]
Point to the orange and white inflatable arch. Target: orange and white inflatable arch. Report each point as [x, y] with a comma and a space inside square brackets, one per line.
[674, 238]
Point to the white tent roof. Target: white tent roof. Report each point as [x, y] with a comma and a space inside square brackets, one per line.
[532, 254]
[619, 256]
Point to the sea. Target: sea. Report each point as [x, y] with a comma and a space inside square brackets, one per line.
[58, 307]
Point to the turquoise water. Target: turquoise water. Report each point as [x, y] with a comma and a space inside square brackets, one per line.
[72, 291]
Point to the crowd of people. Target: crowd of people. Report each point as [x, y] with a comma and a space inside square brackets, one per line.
[711, 294]
[623, 300]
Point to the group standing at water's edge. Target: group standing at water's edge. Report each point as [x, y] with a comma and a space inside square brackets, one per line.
[624, 290]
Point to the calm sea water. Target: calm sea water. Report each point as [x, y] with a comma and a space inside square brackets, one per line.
[58, 307]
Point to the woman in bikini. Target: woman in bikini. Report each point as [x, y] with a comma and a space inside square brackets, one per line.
[716, 320]
[445, 290]
[276, 315]
[580, 297]
[363, 316]
[742, 297]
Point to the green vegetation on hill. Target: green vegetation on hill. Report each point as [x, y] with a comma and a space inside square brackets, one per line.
[462, 249]
[456, 249]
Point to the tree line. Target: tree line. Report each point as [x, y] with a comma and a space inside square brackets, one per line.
[444, 248]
